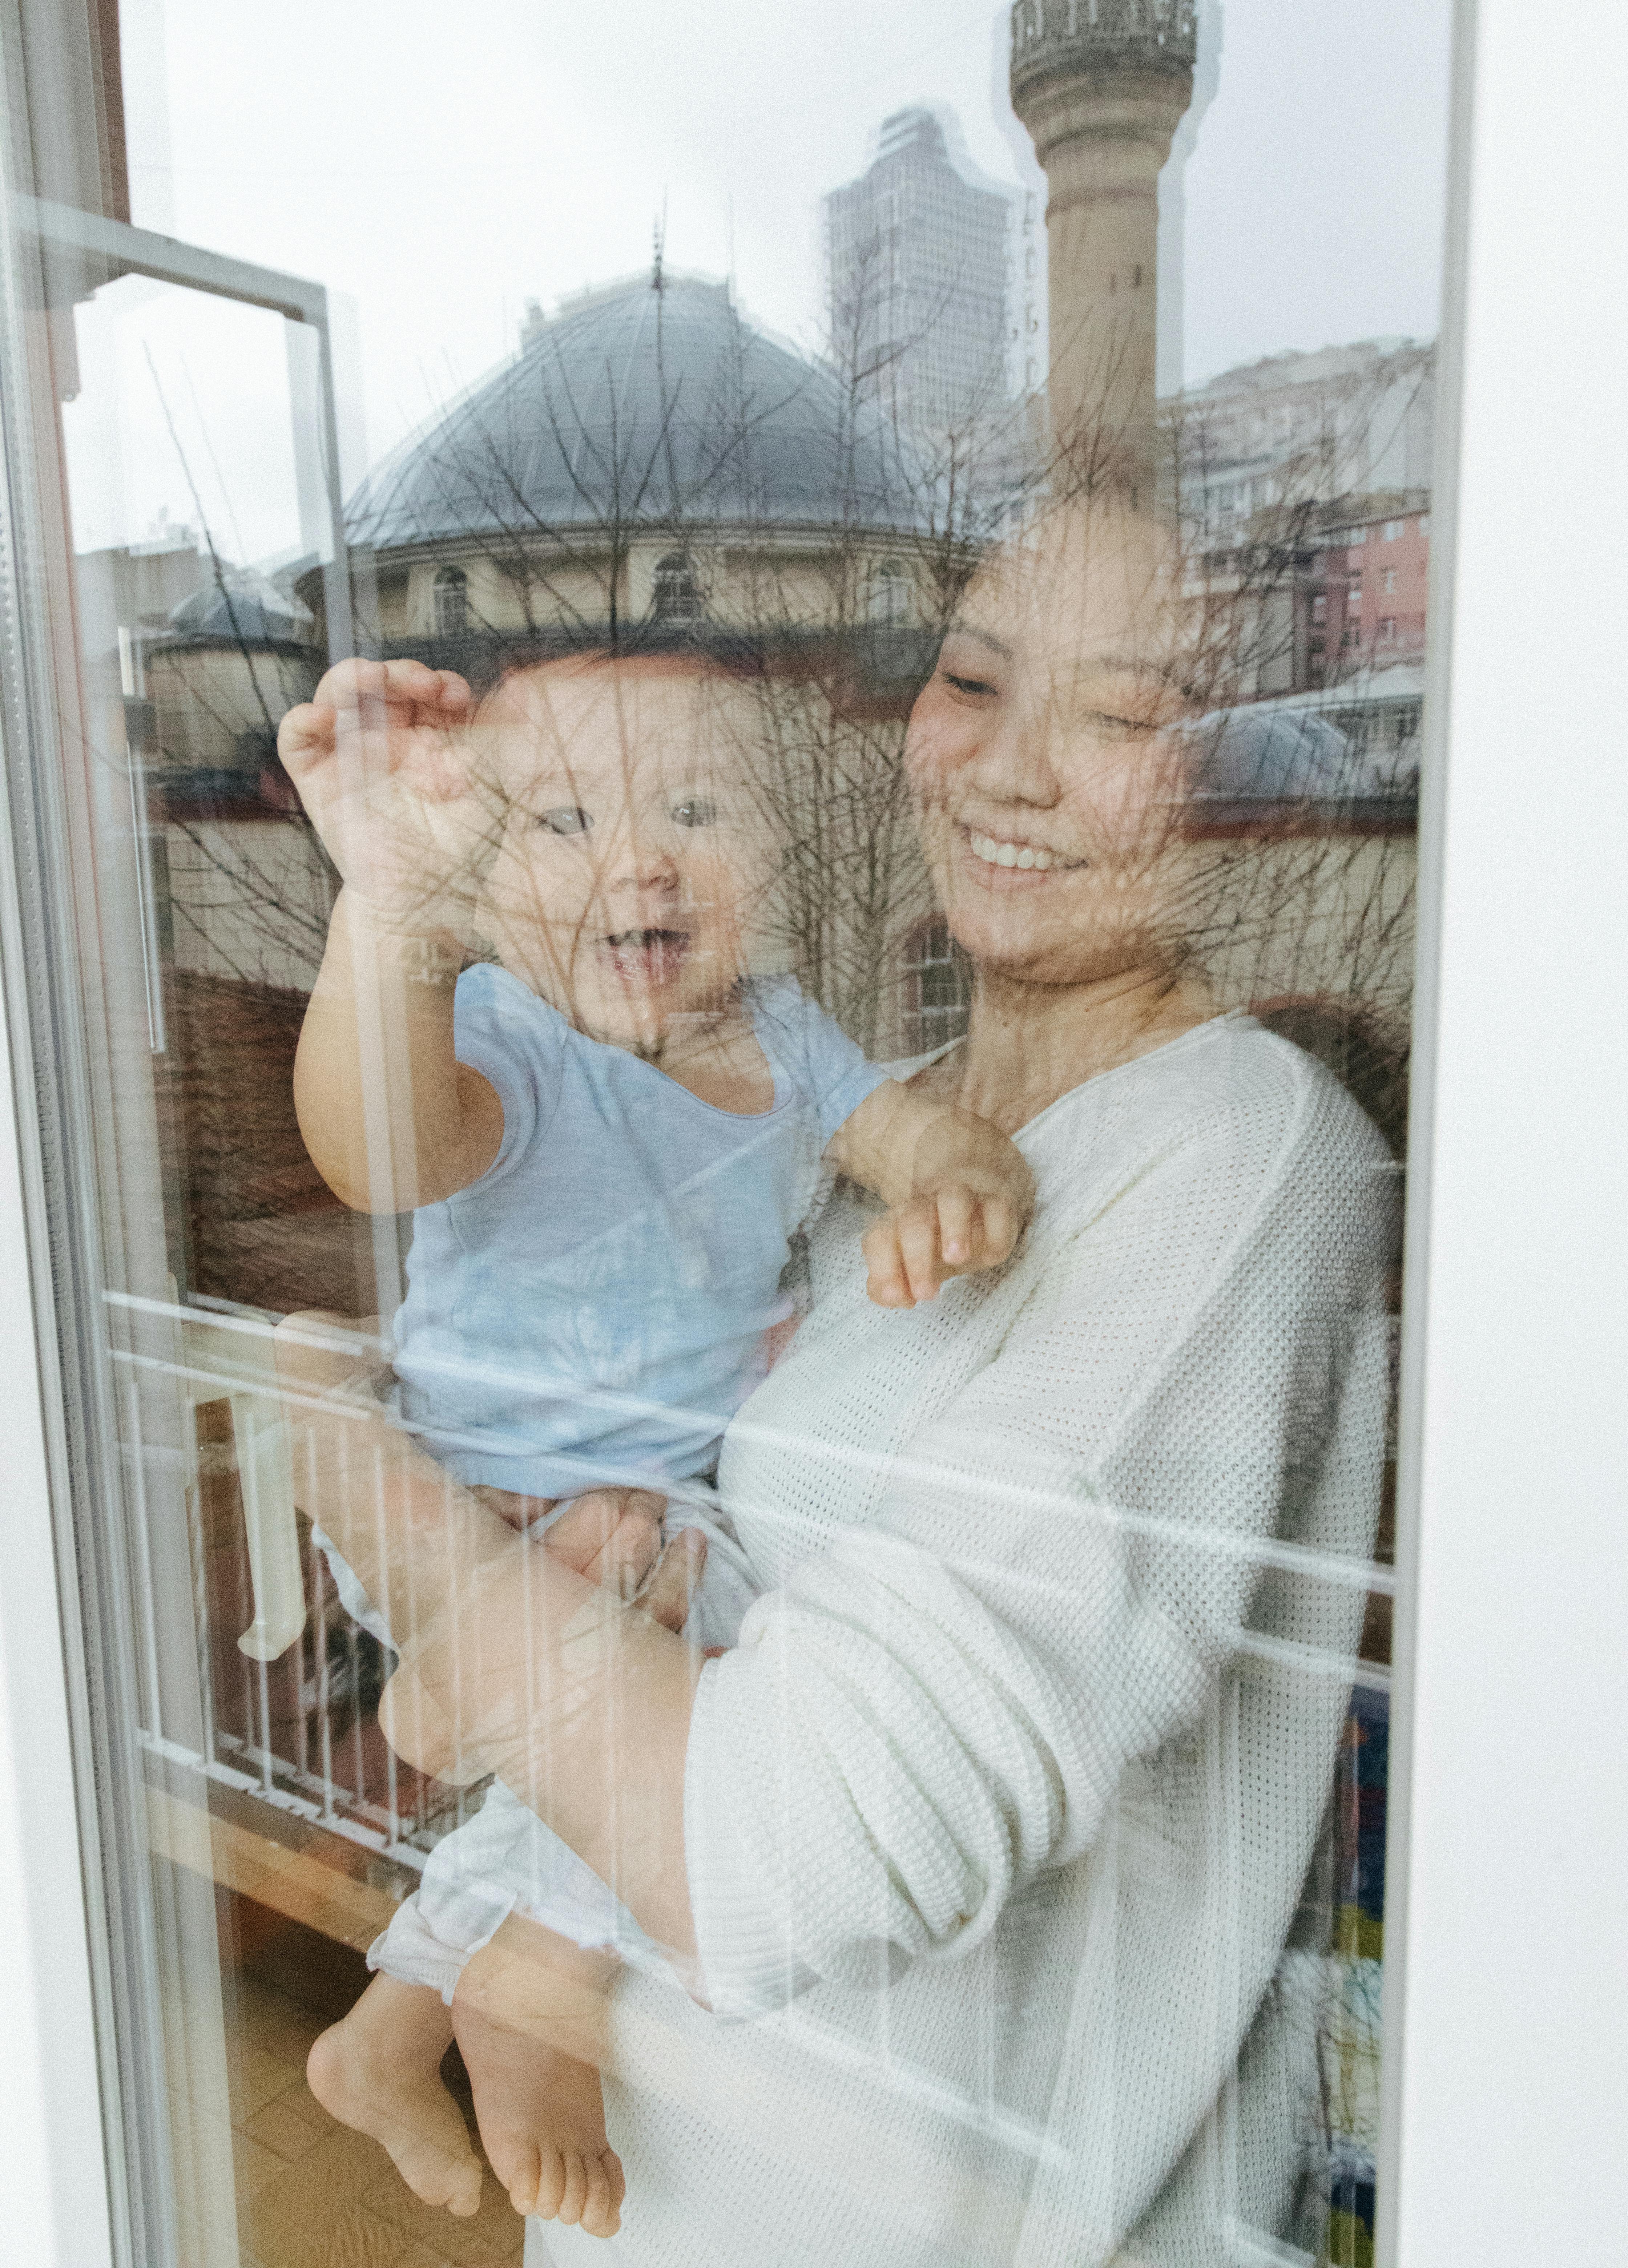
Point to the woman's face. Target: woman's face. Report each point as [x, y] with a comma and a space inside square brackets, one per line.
[633, 857]
[1044, 757]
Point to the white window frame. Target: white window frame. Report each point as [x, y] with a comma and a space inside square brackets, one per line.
[68, 2197]
[57, 2201]
[1507, 1991]
[1505, 1985]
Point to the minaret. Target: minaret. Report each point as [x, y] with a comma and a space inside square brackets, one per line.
[1102, 86]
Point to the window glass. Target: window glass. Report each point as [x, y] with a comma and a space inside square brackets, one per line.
[725, 1222]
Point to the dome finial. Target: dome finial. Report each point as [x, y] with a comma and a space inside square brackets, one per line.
[657, 237]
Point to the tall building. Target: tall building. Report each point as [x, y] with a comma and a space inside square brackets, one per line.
[1102, 85]
[916, 269]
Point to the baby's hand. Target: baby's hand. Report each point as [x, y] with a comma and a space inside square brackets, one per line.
[380, 756]
[959, 1190]
[917, 1247]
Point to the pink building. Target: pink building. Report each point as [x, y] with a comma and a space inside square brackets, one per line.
[1365, 590]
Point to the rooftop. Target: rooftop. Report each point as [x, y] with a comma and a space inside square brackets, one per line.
[1355, 362]
[917, 128]
[650, 403]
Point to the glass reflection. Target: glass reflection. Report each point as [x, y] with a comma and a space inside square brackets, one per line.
[753, 1305]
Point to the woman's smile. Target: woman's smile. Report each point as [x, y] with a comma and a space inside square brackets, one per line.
[999, 861]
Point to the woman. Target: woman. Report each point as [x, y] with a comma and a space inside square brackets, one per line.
[985, 1841]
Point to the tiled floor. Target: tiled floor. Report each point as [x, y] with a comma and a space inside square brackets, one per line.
[310, 2194]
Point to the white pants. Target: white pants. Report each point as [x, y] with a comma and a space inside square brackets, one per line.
[505, 1860]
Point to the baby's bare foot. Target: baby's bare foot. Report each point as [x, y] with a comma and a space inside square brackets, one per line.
[543, 2122]
[379, 2071]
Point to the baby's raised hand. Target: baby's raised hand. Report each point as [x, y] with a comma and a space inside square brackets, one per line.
[380, 756]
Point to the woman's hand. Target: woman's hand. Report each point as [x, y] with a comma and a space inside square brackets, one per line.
[614, 1537]
[511, 1662]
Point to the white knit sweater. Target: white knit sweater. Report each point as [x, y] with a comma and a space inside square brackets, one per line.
[997, 1816]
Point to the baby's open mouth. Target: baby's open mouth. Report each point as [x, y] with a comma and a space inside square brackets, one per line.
[647, 956]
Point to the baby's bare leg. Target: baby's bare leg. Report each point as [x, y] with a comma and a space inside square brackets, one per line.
[524, 2003]
[380, 2072]
[317, 1350]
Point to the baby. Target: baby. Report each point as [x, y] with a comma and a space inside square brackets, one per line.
[609, 1136]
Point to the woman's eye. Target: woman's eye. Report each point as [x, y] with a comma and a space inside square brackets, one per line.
[974, 688]
[1120, 728]
[569, 819]
[696, 811]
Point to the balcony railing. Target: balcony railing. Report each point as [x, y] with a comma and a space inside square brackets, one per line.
[1097, 35]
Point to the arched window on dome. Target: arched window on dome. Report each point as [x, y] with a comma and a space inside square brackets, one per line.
[890, 600]
[452, 602]
[938, 987]
[676, 593]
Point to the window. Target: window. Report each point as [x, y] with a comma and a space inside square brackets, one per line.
[890, 600]
[937, 989]
[452, 602]
[1393, 529]
[675, 593]
[1388, 581]
[650, 510]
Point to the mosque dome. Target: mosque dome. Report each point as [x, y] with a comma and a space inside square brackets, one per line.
[648, 404]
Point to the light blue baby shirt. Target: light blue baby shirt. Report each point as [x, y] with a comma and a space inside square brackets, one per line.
[592, 1309]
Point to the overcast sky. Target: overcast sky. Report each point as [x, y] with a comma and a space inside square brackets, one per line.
[440, 165]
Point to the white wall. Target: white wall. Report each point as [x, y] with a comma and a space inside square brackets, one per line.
[1508, 2003]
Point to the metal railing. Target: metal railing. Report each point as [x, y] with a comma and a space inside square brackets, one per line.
[298, 1731]
[1103, 35]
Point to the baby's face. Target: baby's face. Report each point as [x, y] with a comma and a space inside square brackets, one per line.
[633, 855]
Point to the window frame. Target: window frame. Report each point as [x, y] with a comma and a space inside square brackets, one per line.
[93, 2178]
[1508, 1818]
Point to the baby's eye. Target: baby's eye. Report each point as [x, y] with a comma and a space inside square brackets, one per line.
[696, 811]
[973, 688]
[568, 819]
